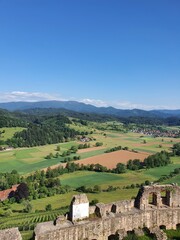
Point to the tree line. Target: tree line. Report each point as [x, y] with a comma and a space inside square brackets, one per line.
[44, 131]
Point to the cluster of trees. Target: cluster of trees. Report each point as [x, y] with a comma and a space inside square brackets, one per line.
[82, 122]
[8, 119]
[51, 155]
[85, 145]
[69, 159]
[96, 189]
[98, 144]
[84, 189]
[154, 121]
[72, 150]
[44, 131]
[113, 149]
[44, 184]
[176, 149]
[137, 185]
[9, 179]
[134, 164]
[36, 135]
[157, 160]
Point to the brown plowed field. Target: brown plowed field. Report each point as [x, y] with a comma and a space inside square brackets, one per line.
[110, 160]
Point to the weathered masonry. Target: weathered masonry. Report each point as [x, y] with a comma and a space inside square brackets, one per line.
[10, 234]
[155, 207]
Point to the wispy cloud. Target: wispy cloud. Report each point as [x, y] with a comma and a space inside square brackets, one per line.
[125, 104]
[16, 96]
[95, 102]
[130, 105]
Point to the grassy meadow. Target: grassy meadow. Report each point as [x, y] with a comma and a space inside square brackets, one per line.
[9, 132]
[26, 160]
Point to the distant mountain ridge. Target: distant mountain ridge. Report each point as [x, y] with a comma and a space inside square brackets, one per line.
[87, 108]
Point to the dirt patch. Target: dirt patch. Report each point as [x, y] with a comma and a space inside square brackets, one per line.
[90, 149]
[110, 160]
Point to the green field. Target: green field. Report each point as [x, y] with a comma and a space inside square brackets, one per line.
[26, 160]
[90, 179]
[9, 132]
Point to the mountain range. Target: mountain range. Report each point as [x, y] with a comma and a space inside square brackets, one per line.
[87, 108]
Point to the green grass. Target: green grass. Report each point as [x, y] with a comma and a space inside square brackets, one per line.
[56, 201]
[160, 171]
[92, 153]
[64, 200]
[9, 132]
[173, 234]
[27, 235]
[88, 179]
[28, 160]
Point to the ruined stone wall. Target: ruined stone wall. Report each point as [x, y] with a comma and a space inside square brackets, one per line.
[119, 217]
[92, 210]
[100, 229]
[122, 206]
[10, 234]
[103, 210]
[161, 195]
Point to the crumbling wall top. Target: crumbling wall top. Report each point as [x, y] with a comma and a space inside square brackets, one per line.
[158, 195]
[10, 234]
[79, 198]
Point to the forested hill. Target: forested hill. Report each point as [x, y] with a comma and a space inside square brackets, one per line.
[47, 126]
[170, 121]
[87, 108]
[39, 130]
[23, 117]
[8, 119]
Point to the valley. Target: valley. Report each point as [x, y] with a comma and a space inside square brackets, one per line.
[89, 158]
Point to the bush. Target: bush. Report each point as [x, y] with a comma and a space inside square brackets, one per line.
[48, 207]
[98, 144]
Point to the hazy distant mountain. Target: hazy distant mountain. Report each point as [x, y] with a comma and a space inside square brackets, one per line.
[87, 108]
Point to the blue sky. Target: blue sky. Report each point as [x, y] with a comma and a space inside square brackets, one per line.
[124, 53]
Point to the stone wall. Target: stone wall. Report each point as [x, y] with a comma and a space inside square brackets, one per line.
[10, 234]
[162, 209]
[101, 229]
[161, 195]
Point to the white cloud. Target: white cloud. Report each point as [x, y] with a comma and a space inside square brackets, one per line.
[17, 96]
[129, 105]
[95, 102]
[125, 105]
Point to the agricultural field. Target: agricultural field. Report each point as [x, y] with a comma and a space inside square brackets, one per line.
[89, 179]
[27, 221]
[110, 160]
[26, 160]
